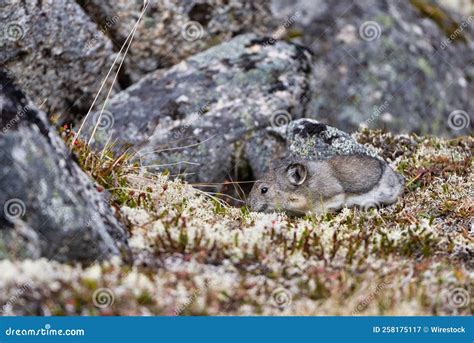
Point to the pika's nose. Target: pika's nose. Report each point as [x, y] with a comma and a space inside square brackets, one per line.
[253, 205]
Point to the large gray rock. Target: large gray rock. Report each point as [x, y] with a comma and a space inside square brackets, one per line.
[48, 206]
[55, 52]
[172, 30]
[196, 118]
[386, 64]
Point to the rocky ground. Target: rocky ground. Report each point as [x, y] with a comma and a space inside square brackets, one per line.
[194, 255]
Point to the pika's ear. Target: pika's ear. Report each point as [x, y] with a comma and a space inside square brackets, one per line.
[296, 173]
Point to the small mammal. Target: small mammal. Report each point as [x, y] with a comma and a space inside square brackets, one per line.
[300, 186]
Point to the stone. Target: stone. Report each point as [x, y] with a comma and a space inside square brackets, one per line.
[48, 205]
[196, 118]
[309, 139]
[173, 30]
[56, 54]
[401, 66]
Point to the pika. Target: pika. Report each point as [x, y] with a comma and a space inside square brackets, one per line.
[300, 186]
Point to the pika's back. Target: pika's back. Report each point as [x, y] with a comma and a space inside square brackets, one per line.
[357, 173]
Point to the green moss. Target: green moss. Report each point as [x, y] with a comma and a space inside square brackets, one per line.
[385, 20]
[425, 67]
[219, 208]
[294, 34]
[145, 298]
[89, 283]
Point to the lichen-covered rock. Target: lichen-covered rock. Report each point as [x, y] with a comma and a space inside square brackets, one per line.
[172, 30]
[196, 117]
[302, 138]
[55, 52]
[49, 207]
[310, 139]
[401, 66]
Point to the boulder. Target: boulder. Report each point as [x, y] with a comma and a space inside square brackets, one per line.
[196, 118]
[55, 52]
[49, 206]
[404, 66]
[173, 30]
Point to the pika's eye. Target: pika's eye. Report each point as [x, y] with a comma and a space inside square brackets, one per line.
[263, 190]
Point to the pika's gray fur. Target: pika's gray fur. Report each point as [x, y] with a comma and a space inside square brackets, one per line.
[300, 186]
